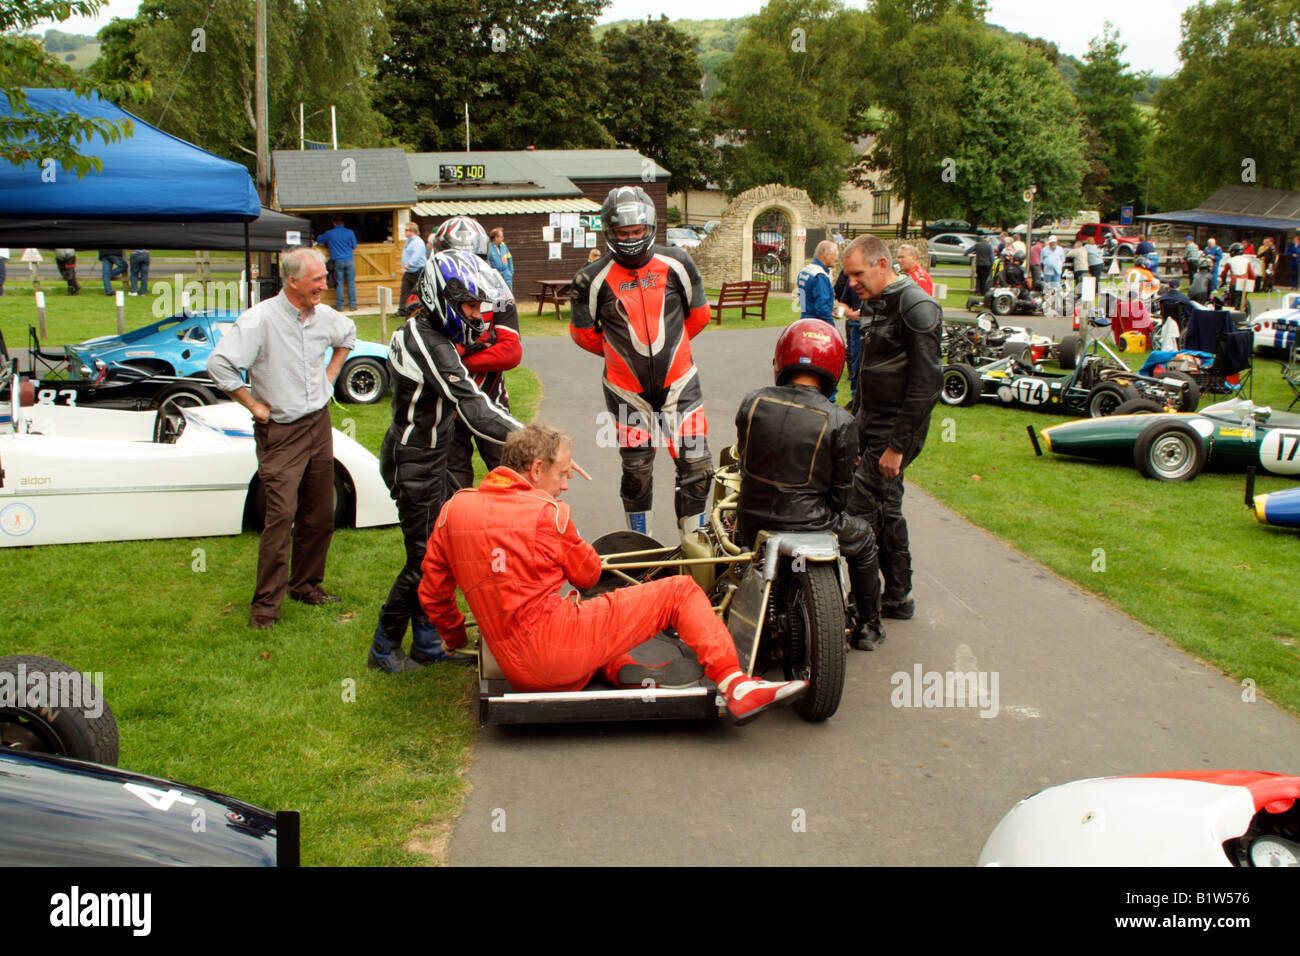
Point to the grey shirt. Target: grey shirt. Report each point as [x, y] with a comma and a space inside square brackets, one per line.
[285, 357]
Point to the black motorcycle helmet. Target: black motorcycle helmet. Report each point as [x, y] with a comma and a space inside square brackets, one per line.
[1236, 249]
[1206, 264]
[629, 206]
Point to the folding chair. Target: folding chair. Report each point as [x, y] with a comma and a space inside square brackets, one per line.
[1291, 372]
[1233, 358]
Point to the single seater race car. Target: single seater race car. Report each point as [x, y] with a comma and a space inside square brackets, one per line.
[1180, 818]
[181, 344]
[58, 808]
[1228, 436]
[70, 474]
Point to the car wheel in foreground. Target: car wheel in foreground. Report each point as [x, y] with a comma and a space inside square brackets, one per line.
[960, 386]
[1069, 352]
[53, 714]
[1169, 451]
[362, 382]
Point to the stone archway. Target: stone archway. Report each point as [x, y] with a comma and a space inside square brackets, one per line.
[727, 253]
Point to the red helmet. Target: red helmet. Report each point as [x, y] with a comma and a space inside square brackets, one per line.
[810, 345]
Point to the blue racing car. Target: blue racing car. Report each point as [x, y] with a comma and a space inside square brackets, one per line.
[180, 346]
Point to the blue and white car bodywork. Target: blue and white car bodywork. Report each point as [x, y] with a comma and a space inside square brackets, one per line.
[1277, 328]
[181, 344]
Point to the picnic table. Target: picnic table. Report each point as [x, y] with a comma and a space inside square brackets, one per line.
[553, 290]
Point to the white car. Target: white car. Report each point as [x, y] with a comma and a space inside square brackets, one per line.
[73, 474]
[684, 238]
[1277, 328]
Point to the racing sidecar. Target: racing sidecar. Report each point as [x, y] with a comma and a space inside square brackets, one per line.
[783, 603]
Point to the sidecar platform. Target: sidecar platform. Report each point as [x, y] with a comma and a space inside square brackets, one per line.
[498, 703]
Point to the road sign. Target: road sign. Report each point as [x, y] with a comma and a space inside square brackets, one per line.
[1126, 216]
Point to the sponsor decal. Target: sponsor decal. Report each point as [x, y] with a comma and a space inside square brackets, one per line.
[17, 519]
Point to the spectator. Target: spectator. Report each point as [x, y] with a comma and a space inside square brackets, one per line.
[909, 263]
[1079, 263]
[1200, 289]
[499, 257]
[1268, 260]
[594, 255]
[4, 262]
[1249, 247]
[66, 262]
[1094, 260]
[1191, 257]
[342, 244]
[414, 256]
[1215, 253]
[1036, 265]
[138, 280]
[816, 298]
[1053, 263]
[851, 304]
[982, 253]
[113, 266]
[282, 343]
[1293, 256]
[1018, 245]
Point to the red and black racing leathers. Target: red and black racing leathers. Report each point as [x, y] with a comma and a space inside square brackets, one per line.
[641, 322]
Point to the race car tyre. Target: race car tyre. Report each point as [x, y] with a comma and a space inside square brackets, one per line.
[1004, 304]
[170, 422]
[1021, 351]
[33, 720]
[1139, 406]
[1191, 396]
[960, 386]
[1169, 451]
[363, 381]
[344, 503]
[1108, 396]
[1069, 351]
[817, 653]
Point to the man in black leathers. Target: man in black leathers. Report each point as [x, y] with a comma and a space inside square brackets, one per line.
[899, 385]
[796, 455]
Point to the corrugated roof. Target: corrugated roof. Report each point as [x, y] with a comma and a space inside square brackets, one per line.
[598, 163]
[1254, 201]
[318, 178]
[503, 207]
[511, 174]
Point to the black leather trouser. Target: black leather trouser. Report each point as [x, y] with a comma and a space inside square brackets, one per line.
[879, 501]
[415, 478]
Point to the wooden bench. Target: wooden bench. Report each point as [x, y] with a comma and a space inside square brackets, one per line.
[744, 296]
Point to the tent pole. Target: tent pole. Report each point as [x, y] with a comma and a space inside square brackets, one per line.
[248, 264]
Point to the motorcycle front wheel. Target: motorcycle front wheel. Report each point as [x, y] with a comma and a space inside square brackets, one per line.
[813, 647]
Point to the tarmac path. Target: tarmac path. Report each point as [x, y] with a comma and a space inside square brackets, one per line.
[1082, 691]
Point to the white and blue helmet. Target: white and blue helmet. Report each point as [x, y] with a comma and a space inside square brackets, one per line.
[453, 277]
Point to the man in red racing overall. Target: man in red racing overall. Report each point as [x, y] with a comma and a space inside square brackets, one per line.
[638, 307]
[510, 544]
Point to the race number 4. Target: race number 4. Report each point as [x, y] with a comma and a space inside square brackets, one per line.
[56, 396]
[158, 799]
[1279, 452]
[1030, 391]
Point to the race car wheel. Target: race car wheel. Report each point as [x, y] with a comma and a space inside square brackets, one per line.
[960, 386]
[814, 648]
[1191, 396]
[363, 381]
[1108, 396]
[344, 502]
[1169, 451]
[1020, 351]
[1069, 351]
[62, 714]
[1139, 406]
[1004, 304]
[170, 422]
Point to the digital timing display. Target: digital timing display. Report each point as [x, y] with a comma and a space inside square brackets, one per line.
[460, 172]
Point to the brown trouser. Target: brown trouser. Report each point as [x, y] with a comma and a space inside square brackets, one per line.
[295, 464]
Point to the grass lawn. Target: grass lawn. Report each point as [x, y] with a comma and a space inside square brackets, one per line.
[1185, 559]
[286, 719]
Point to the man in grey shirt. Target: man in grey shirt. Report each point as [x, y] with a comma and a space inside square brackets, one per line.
[282, 343]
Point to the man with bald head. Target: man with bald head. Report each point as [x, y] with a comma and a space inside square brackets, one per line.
[815, 290]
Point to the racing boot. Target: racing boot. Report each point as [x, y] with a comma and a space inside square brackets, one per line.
[641, 521]
[868, 635]
[748, 697]
[864, 581]
[426, 647]
[387, 655]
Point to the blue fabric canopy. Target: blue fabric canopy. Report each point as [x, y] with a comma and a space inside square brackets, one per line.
[149, 175]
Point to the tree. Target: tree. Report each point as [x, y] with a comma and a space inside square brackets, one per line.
[918, 90]
[653, 102]
[198, 54]
[1118, 136]
[31, 135]
[789, 92]
[1230, 115]
[1018, 127]
[529, 70]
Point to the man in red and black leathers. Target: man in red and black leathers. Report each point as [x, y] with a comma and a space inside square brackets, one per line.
[639, 306]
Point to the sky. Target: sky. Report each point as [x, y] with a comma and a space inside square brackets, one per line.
[1150, 29]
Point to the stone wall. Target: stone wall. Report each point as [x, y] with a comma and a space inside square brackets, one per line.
[727, 253]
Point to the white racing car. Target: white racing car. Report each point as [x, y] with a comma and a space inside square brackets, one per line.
[70, 474]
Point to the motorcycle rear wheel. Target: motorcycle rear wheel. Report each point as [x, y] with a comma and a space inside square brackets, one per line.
[814, 649]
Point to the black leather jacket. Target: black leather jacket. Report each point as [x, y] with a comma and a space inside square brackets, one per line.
[900, 376]
[797, 454]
